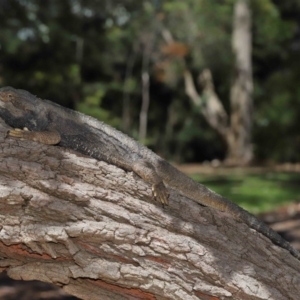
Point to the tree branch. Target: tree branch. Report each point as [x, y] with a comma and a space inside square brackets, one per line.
[208, 102]
[94, 230]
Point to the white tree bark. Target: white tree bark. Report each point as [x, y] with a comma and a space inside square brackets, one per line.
[209, 103]
[94, 230]
[240, 147]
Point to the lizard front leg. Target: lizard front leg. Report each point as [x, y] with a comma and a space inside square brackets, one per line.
[147, 172]
[44, 137]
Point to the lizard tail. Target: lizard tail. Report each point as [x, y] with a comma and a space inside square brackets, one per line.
[261, 227]
[203, 195]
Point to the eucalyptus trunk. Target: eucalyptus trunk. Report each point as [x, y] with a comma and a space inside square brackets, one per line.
[239, 135]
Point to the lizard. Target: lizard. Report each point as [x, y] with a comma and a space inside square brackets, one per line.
[49, 123]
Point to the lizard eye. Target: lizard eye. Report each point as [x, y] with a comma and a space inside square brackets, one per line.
[6, 97]
[9, 97]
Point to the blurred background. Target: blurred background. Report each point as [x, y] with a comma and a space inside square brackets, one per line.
[212, 86]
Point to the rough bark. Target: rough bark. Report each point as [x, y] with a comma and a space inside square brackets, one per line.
[94, 230]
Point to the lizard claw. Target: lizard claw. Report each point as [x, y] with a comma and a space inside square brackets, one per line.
[17, 133]
[43, 137]
[161, 193]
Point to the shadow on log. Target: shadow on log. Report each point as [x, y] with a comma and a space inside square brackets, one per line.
[94, 230]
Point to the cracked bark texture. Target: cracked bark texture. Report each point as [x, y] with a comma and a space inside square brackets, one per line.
[94, 230]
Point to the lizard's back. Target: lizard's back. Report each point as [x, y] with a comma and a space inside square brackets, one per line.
[93, 137]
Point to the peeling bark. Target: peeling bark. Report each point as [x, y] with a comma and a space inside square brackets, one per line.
[94, 230]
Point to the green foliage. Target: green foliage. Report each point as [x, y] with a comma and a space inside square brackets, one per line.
[88, 55]
[276, 65]
[91, 105]
[270, 29]
[205, 27]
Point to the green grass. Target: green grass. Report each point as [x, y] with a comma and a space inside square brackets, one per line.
[256, 193]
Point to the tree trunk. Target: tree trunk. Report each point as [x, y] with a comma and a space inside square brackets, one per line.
[237, 132]
[239, 139]
[148, 45]
[94, 230]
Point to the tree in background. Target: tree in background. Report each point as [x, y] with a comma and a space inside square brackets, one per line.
[240, 133]
[237, 132]
[90, 55]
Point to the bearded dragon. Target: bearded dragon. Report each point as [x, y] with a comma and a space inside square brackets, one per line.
[49, 123]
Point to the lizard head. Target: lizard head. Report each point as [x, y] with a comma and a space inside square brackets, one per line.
[19, 108]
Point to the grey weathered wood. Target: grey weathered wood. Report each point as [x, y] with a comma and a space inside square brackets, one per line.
[94, 229]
